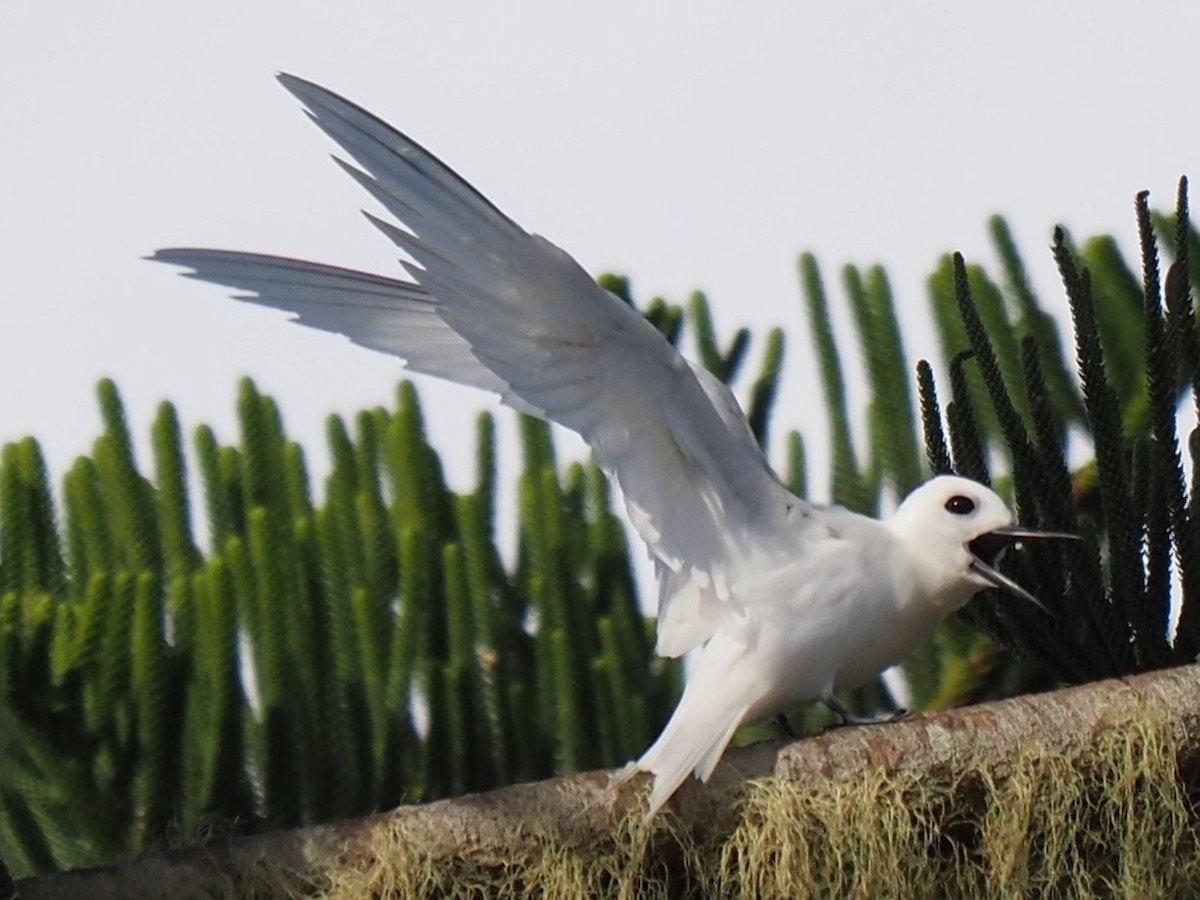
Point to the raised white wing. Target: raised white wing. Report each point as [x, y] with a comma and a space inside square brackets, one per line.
[499, 308]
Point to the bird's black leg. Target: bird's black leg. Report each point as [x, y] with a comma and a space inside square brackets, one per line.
[785, 726]
[849, 718]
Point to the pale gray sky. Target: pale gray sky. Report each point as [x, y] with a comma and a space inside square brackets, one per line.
[699, 145]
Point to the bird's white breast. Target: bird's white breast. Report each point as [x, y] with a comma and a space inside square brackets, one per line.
[834, 619]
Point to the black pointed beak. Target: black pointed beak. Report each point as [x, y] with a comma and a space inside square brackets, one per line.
[985, 550]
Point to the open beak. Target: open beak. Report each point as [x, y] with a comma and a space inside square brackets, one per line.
[985, 550]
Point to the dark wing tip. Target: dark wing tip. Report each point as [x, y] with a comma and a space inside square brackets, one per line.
[172, 256]
[292, 82]
[312, 94]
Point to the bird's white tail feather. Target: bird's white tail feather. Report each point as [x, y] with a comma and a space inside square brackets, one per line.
[693, 741]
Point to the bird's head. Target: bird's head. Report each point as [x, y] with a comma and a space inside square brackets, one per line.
[955, 530]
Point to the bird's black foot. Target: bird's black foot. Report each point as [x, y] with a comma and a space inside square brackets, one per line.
[785, 726]
[849, 718]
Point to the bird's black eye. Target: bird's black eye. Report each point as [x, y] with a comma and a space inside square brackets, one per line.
[960, 506]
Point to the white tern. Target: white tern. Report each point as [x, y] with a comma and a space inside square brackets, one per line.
[787, 601]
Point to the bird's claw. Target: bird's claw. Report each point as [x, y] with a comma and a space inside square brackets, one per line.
[849, 718]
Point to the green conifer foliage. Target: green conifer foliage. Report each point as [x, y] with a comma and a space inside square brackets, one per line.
[319, 659]
[1135, 505]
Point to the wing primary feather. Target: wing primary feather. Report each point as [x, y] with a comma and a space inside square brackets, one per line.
[317, 98]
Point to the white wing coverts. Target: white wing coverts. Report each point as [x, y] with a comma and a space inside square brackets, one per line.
[498, 308]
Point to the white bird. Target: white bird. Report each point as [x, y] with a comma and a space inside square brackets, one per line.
[786, 601]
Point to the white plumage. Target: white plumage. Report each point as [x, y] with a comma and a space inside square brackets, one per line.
[788, 601]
